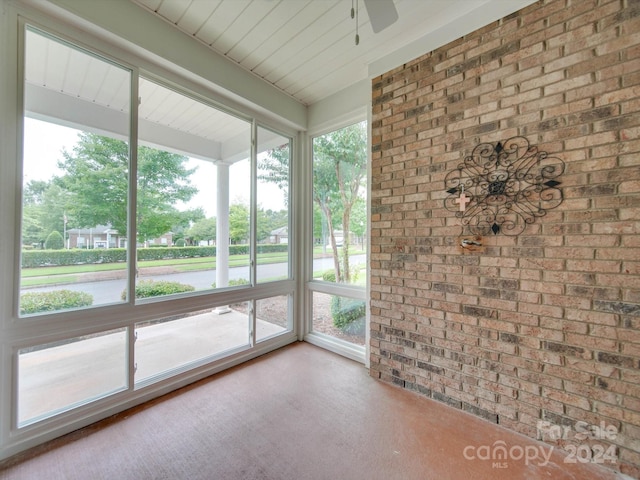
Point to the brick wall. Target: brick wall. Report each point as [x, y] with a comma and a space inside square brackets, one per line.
[540, 326]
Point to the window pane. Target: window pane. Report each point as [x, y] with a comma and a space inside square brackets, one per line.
[75, 178]
[171, 343]
[58, 376]
[339, 205]
[272, 316]
[239, 223]
[339, 317]
[193, 164]
[274, 152]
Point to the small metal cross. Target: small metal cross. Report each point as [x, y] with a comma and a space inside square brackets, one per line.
[462, 200]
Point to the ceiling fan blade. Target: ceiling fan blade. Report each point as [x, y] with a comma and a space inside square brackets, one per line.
[382, 13]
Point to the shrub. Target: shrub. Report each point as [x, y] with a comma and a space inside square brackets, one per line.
[54, 241]
[180, 242]
[346, 311]
[234, 283]
[152, 288]
[35, 302]
[329, 276]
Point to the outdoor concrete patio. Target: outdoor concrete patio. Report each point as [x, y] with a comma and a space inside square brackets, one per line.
[58, 377]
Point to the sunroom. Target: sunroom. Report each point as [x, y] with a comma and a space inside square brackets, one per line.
[115, 119]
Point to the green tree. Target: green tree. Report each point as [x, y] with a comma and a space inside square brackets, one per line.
[32, 231]
[163, 179]
[268, 221]
[34, 192]
[44, 209]
[359, 219]
[274, 168]
[238, 223]
[32, 212]
[339, 168]
[97, 173]
[185, 221]
[204, 229]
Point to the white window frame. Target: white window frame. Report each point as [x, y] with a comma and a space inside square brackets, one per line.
[341, 347]
[21, 333]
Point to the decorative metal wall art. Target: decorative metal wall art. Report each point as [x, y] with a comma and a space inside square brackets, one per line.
[504, 187]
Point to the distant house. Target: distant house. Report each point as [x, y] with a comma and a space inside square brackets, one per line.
[165, 240]
[105, 236]
[100, 236]
[279, 235]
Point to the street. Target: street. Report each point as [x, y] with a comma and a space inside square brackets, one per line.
[110, 291]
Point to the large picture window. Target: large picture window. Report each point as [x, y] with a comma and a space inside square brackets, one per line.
[195, 205]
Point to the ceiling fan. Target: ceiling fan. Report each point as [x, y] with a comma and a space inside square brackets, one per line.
[382, 13]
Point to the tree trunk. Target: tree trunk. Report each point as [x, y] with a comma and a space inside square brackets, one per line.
[332, 240]
[346, 217]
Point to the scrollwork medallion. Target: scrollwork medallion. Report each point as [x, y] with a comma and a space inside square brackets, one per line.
[506, 187]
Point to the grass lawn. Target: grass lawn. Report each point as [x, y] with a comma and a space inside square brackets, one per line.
[43, 276]
[182, 264]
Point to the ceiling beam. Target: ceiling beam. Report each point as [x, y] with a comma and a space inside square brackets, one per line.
[143, 30]
[61, 109]
[55, 107]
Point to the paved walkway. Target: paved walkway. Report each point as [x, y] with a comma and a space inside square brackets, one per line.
[59, 377]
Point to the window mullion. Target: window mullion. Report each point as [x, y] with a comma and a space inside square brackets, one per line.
[131, 222]
[253, 229]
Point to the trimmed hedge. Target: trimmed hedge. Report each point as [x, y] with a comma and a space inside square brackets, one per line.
[165, 253]
[35, 302]
[151, 288]
[47, 258]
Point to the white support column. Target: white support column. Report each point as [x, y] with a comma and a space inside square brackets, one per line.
[222, 232]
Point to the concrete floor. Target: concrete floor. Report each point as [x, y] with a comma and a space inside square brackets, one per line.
[299, 413]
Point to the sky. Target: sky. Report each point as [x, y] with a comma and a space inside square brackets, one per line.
[44, 143]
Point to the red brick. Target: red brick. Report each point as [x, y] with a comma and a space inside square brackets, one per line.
[550, 340]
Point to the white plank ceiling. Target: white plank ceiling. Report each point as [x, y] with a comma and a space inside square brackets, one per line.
[306, 48]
